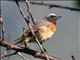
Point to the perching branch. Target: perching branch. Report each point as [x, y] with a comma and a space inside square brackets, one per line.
[25, 50]
[54, 5]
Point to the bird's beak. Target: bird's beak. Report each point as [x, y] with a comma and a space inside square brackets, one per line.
[58, 17]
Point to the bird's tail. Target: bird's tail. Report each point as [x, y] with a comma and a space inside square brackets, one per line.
[18, 41]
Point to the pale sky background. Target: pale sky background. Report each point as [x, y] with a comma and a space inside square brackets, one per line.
[66, 39]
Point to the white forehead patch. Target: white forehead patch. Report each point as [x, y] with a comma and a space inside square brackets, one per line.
[52, 14]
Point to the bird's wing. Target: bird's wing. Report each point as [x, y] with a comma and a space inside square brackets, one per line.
[27, 34]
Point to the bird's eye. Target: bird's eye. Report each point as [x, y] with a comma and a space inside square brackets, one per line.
[54, 19]
[51, 16]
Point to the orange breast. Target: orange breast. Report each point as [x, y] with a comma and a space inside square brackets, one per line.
[52, 27]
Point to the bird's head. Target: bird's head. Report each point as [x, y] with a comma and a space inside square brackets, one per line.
[52, 18]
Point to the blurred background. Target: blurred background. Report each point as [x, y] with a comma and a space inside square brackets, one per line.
[66, 40]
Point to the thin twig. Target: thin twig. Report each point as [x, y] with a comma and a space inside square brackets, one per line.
[30, 27]
[29, 11]
[73, 58]
[1, 29]
[7, 55]
[54, 5]
[1, 22]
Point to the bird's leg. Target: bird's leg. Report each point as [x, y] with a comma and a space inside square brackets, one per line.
[26, 41]
[26, 44]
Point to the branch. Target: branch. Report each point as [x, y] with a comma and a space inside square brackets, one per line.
[29, 11]
[53, 5]
[7, 55]
[25, 50]
[73, 58]
[19, 53]
[1, 28]
[57, 6]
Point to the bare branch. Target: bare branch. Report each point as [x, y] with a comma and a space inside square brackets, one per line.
[1, 28]
[73, 58]
[25, 50]
[29, 11]
[54, 5]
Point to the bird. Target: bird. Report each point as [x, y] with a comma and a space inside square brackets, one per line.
[43, 29]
